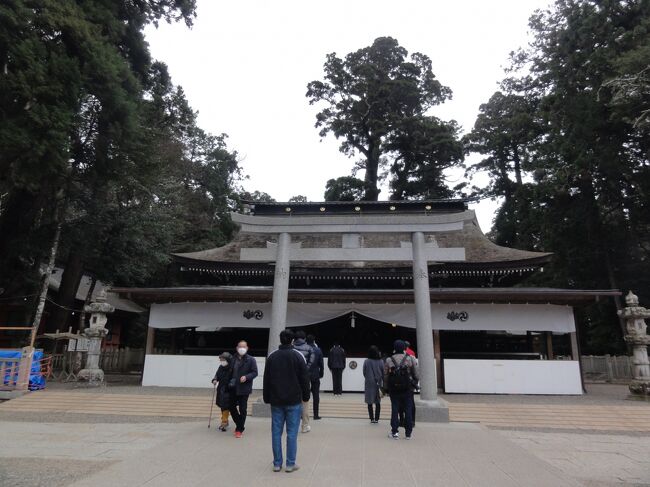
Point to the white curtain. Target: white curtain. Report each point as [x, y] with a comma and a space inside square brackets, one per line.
[508, 317]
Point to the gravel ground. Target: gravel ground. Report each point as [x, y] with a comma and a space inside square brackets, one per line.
[42, 472]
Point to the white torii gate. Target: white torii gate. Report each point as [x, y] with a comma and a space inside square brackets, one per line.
[417, 251]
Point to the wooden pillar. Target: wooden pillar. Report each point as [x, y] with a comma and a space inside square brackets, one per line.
[436, 350]
[529, 341]
[24, 369]
[577, 344]
[575, 355]
[549, 345]
[151, 338]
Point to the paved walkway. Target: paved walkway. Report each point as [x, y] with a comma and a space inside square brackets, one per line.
[158, 436]
[337, 452]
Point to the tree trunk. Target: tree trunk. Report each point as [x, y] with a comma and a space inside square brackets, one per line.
[596, 223]
[372, 169]
[66, 296]
[45, 279]
[517, 161]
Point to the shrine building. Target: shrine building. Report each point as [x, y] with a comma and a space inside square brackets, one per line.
[362, 274]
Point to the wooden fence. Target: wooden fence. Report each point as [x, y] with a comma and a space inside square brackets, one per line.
[609, 368]
[122, 360]
[66, 366]
[9, 379]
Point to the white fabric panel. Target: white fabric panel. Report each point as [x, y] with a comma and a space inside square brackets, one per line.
[198, 371]
[509, 317]
[512, 376]
[187, 371]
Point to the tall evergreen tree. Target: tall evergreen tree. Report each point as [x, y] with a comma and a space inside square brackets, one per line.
[588, 163]
[95, 139]
[376, 100]
[505, 133]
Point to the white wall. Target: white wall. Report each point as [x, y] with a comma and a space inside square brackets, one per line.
[198, 371]
[512, 376]
[461, 376]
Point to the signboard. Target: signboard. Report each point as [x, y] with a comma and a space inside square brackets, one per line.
[78, 345]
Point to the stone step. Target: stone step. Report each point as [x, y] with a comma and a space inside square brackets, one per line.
[578, 417]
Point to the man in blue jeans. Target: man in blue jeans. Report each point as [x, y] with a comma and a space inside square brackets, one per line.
[286, 387]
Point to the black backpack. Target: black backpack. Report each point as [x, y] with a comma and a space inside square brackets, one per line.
[399, 376]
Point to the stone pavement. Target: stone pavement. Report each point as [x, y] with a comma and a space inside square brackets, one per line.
[337, 452]
[595, 459]
[130, 435]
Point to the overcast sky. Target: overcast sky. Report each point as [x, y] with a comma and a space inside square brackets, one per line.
[245, 65]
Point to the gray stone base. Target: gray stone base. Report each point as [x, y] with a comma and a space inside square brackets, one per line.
[436, 411]
[92, 376]
[261, 410]
[640, 389]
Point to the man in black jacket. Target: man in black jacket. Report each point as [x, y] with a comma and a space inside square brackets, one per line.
[316, 372]
[336, 364]
[286, 387]
[307, 351]
[244, 370]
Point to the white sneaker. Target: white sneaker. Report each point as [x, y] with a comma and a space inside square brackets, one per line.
[394, 436]
[306, 429]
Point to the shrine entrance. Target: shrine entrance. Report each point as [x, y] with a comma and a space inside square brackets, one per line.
[356, 333]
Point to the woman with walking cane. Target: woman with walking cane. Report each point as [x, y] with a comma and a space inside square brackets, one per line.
[222, 390]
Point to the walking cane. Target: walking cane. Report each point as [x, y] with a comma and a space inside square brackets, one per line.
[214, 393]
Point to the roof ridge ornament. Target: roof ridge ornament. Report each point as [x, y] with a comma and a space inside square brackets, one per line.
[631, 299]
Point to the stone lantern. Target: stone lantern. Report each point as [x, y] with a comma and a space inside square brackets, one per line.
[634, 316]
[95, 333]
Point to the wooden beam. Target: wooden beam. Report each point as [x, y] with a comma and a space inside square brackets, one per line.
[151, 337]
[579, 353]
[575, 355]
[436, 348]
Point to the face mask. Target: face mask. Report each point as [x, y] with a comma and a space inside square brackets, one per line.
[224, 363]
[242, 351]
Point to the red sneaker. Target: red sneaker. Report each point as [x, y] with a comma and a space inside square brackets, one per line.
[237, 434]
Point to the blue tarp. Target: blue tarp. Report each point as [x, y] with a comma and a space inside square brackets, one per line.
[36, 380]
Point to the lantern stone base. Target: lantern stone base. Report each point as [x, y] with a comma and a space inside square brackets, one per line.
[640, 389]
[92, 376]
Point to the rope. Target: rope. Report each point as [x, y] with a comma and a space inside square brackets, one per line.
[61, 306]
[24, 297]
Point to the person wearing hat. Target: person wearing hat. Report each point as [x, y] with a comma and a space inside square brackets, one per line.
[400, 376]
[224, 394]
[410, 352]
